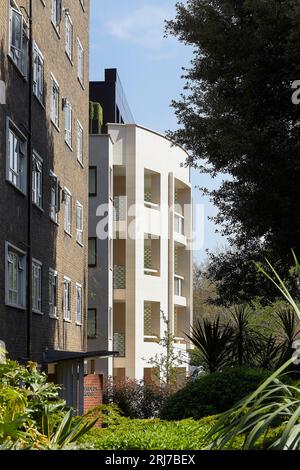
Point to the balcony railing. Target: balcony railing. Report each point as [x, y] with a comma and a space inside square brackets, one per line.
[119, 277]
[119, 344]
[120, 208]
[178, 283]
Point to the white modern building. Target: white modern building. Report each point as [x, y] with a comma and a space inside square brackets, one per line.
[140, 257]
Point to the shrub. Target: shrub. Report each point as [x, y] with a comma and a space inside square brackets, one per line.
[135, 399]
[212, 394]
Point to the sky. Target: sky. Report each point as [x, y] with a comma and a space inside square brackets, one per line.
[129, 35]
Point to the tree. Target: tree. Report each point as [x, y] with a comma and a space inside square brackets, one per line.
[165, 365]
[237, 118]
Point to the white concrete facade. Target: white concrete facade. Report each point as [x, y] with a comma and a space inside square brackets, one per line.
[149, 261]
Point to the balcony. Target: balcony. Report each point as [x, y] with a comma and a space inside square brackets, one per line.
[120, 215]
[179, 299]
[119, 343]
[152, 257]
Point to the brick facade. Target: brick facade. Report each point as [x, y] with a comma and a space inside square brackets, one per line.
[50, 244]
[93, 391]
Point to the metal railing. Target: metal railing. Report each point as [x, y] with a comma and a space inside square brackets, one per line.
[119, 344]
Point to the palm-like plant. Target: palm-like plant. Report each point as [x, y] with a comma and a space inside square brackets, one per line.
[289, 326]
[272, 403]
[212, 341]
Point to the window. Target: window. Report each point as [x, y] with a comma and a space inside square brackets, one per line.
[52, 293]
[78, 304]
[80, 61]
[92, 181]
[92, 323]
[56, 10]
[18, 39]
[36, 286]
[92, 252]
[38, 73]
[16, 153]
[68, 123]
[68, 211]
[79, 223]
[54, 197]
[37, 180]
[15, 277]
[79, 143]
[67, 299]
[54, 105]
[69, 36]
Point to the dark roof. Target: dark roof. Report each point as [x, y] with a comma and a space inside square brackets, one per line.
[52, 356]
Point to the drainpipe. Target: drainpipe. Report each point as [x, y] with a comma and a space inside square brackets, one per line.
[29, 186]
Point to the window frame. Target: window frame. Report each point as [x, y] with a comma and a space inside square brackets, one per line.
[38, 54]
[95, 311]
[35, 180]
[56, 19]
[79, 321]
[21, 62]
[56, 207]
[94, 168]
[80, 62]
[79, 230]
[67, 312]
[95, 240]
[54, 118]
[79, 144]
[11, 128]
[54, 275]
[69, 40]
[68, 224]
[21, 289]
[68, 123]
[38, 307]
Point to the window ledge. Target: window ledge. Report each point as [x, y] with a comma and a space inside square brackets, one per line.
[67, 321]
[81, 83]
[70, 146]
[78, 324]
[39, 101]
[69, 58]
[38, 207]
[69, 234]
[19, 71]
[23, 193]
[56, 29]
[54, 221]
[80, 163]
[15, 306]
[53, 317]
[37, 312]
[55, 125]
[80, 244]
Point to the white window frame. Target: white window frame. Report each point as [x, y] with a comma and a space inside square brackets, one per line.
[20, 290]
[79, 291]
[80, 61]
[69, 37]
[36, 273]
[67, 299]
[18, 54]
[68, 116]
[79, 223]
[38, 73]
[53, 286]
[37, 180]
[16, 162]
[80, 143]
[54, 102]
[54, 202]
[67, 212]
[56, 13]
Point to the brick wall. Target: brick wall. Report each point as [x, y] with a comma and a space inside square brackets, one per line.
[93, 391]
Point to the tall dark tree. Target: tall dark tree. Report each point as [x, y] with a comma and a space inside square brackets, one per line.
[237, 118]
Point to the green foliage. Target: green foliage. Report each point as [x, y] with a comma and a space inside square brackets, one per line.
[213, 393]
[234, 116]
[272, 403]
[134, 398]
[95, 117]
[32, 416]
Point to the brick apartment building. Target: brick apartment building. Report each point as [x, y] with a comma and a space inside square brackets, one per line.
[44, 185]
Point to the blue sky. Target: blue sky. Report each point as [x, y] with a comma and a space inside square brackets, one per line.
[129, 35]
